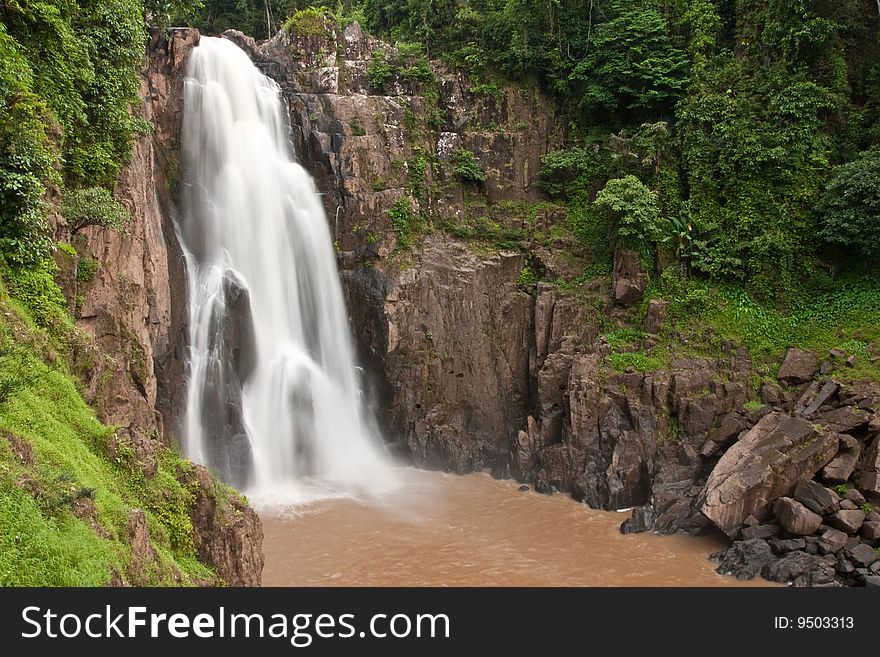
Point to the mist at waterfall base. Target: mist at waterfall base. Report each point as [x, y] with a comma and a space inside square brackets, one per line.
[273, 398]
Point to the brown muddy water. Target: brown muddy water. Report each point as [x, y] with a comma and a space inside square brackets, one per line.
[448, 530]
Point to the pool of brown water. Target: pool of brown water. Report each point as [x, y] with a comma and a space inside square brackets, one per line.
[447, 530]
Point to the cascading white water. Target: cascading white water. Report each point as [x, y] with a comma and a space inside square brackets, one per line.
[273, 394]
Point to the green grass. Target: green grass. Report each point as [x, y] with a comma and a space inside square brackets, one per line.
[844, 314]
[42, 542]
[640, 361]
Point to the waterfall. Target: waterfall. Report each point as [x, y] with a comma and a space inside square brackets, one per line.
[273, 395]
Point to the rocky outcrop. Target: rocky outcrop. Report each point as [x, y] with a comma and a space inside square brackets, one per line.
[628, 279]
[227, 533]
[763, 465]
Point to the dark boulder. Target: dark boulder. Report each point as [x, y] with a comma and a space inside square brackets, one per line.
[816, 497]
[870, 530]
[832, 540]
[791, 566]
[627, 278]
[844, 464]
[799, 366]
[862, 555]
[745, 559]
[869, 478]
[641, 520]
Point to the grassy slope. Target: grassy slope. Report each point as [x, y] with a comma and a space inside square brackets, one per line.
[42, 542]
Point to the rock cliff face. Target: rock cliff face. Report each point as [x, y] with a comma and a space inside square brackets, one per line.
[134, 307]
[477, 366]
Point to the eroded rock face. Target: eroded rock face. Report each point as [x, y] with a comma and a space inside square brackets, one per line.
[227, 533]
[135, 305]
[763, 465]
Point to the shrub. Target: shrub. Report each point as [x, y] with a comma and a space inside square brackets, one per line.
[306, 22]
[850, 206]
[379, 72]
[86, 269]
[466, 167]
[94, 206]
[403, 221]
[634, 210]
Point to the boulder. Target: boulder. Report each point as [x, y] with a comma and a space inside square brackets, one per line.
[855, 497]
[760, 531]
[816, 497]
[745, 559]
[655, 317]
[871, 581]
[627, 278]
[785, 545]
[870, 530]
[809, 404]
[764, 464]
[841, 468]
[791, 566]
[845, 419]
[849, 521]
[862, 555]
[798, 367]
[795, 518]
[641, 520]
[831, 541]
[848, 505]
[869, 477]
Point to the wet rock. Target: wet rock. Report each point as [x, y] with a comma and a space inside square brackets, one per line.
[745, 559]
[870, 530]
[523, 488]
[849, 521]
[764, 464]
[862, 555]
[641, 520]
[822, 574]
[628, 280]
[831, 541]
[844, 464]
[227, 533]
[816, 497]
[782, 546]
[655, 317]
[543, 486]
[790, 566]
[871, 581]
[799, 366]
[795, 518]
[869, 478]
[761, 531]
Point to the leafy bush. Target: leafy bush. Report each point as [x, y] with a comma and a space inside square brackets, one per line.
[306, 22]
[403, 221]
[94, 206]
[86, 269]
[466, 167]
[36, 289]
[850, 206]
[380, 71]
[634, 210]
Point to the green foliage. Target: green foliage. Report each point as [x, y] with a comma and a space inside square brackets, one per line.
[634, 210]
[466, 167]
[850, 206]
[631, 64]
[403, 222]
[94, 206]
[306, 22]
[380, 71]
[36, 289]
[86, 268]
[640, 361]
[624, 337]
[527, 276]
[753, 405]
[43, 543]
